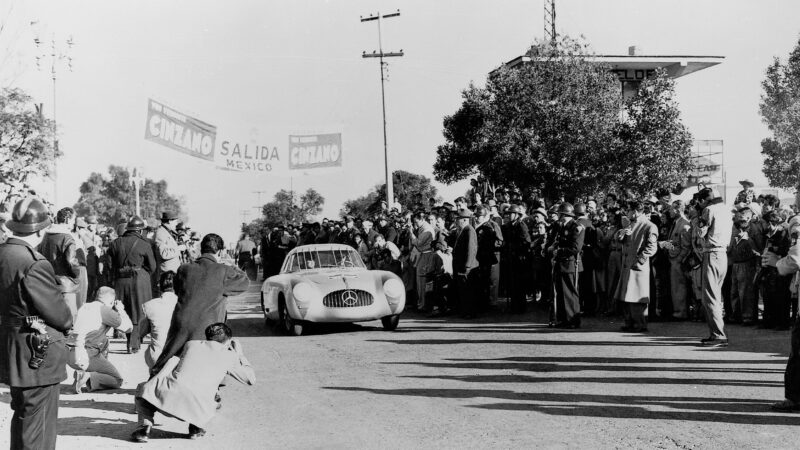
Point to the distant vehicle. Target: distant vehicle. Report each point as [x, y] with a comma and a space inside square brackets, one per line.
[326, 283]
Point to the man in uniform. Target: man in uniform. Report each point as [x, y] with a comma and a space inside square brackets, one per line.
[518, 243]
[132, 264]
[33, 320]
[587, 289]
[566, 267]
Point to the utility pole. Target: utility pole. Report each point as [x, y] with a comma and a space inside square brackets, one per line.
[245, 214]
[259, 206]
[550, 21]
[380, 54]
[57, 55]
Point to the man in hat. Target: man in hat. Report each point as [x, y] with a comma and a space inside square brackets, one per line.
[132, 264]
[61, 249]
[169, 251]
[33, 320]
[517, 244]
[387, 229]
[747, 194]
[639, 244]
[202, 288]
[567, 266]
[465, 263]
[715, 229]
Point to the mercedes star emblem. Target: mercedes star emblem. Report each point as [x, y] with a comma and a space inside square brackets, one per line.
[349, 297]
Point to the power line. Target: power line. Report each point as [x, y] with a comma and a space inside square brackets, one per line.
[380, 54]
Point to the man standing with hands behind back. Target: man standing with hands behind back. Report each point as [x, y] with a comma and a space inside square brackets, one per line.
[465, 252]
[33, 319]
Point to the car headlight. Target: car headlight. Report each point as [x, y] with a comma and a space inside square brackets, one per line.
[304, 293]
[393, 288]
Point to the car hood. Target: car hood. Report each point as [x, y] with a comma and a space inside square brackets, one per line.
[335, 280]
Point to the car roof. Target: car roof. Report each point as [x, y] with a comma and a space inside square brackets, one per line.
[317, 247]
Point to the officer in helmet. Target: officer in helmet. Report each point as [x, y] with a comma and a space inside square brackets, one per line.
[33, 320]
[517, 246]
[132, 263]
[566, 267]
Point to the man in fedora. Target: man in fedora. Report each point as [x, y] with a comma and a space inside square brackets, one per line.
[747, 194]
[168, 250]
[33, 319]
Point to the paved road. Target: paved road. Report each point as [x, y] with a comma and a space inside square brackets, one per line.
[496, 382]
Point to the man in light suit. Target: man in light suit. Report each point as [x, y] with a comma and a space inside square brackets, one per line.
[639, 244]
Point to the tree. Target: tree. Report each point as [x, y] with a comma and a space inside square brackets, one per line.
[553, 127]
[113, 199]
[26, 145]
[410, 189]
[285, 210]
[780, 111]
[653, 147]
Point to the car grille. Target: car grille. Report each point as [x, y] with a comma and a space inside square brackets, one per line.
[347, 298]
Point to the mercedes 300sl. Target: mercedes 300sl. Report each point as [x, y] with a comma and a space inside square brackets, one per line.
[329, 283]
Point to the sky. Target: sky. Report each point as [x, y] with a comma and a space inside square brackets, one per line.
[262, 70]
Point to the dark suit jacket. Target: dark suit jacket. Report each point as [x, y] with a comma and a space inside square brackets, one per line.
[201, 287]
[28, 287]
[465, 251]
[569, 245]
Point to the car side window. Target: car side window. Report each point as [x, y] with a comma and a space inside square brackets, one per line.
[291, 265]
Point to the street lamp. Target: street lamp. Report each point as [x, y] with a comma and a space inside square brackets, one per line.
[55, 56]
[137, 179]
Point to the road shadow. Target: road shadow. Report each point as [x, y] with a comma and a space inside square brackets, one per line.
[561, 367]
[698, 409]
[534, 342]
[119, 429]
[616, 360]
[517, 378]
[258, 327]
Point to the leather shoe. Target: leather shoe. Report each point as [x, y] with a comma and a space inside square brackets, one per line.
[142, 434]
[196, 432]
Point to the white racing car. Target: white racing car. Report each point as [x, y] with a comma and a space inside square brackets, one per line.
[330, 283]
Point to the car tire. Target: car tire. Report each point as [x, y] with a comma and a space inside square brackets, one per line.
[390, 322]
[290, 326]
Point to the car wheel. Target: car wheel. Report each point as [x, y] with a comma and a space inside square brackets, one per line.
[390, 322]
[267, 322]
[290, 326]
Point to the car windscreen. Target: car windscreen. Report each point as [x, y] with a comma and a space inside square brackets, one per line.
[324, 259]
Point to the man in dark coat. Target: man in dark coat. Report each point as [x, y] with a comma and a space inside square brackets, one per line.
[30, 295]
[465, 263]
[517, 246]
[132, 264]
[201, 287]
[566, 267]
[588, 296]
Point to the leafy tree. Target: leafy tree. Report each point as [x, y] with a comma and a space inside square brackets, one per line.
[780, 111]
[654, 147]
[113, 199]
[410, 189]
[26, 145]
[553, 127]
[284, 209]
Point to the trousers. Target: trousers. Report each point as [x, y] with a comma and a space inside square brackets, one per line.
[33, 426]
[568, 304]
[777, 297]
[102, 374]
[743, 294]
[679, 287]
[791, 377]
[715, 265]
[467, 286]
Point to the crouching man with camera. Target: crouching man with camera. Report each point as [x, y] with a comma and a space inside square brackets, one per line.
[33, 320]
[186, 386]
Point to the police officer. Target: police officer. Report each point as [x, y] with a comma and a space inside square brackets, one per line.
[566, 267]
[517, 245]
[586, 285]
[132, 263]
[33, 320]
